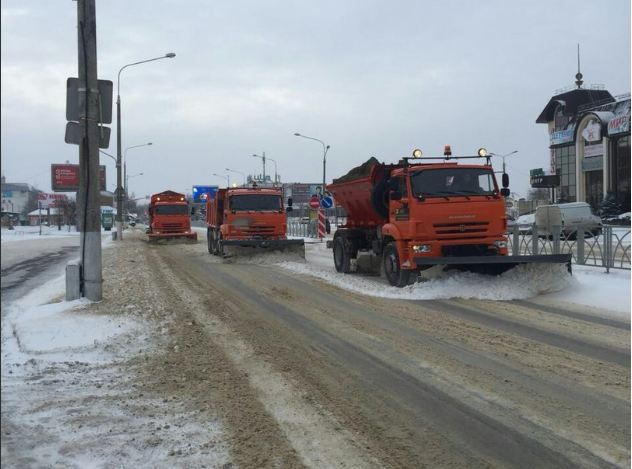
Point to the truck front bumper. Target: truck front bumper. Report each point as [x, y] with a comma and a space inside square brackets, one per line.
[495, 264]
[263, 243]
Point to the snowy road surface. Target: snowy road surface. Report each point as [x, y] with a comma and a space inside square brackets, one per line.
[191, 361]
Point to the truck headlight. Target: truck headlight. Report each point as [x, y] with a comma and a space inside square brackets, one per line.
[501, 244]
[421, 248]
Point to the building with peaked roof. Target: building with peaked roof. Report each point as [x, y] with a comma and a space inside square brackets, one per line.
[589, 132]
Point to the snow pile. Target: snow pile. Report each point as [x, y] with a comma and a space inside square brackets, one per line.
[20, 233]
[56, 331]
[522, 282]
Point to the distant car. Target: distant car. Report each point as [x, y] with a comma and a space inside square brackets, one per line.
[523, 222]
[569, 217]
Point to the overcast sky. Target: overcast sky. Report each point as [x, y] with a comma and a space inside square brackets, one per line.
[370, 78]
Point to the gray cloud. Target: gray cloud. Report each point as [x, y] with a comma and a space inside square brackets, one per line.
[371, 78]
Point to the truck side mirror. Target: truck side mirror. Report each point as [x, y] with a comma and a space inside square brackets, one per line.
[192, 210]
[505, 192]
[505, 180]
[395, 195]
[289, 202]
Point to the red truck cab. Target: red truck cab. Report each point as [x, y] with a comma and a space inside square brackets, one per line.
[251, 217]
[169, 217]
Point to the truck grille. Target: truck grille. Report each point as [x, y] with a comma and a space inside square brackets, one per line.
[172, 228]
[261, 230]
[457, 230]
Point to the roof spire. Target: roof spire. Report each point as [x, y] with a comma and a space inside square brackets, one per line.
[579, 75]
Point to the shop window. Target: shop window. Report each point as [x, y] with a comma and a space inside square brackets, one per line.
[594, 188]
[565, 161]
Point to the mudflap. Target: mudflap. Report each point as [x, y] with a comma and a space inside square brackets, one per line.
[494, 265]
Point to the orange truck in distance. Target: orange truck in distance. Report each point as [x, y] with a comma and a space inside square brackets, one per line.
[413, 215]
[247, 221]
[169, 217]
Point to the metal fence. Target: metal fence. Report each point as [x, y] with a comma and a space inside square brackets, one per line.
[302, 228]
[610, 249]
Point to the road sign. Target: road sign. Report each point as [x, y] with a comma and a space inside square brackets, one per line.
[314, 202]
[74, 134]
[105, 100]
[326, 202]
[121, 191]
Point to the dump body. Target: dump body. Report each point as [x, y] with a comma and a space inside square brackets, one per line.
[248, 218]
[169, 217]
[418, 215]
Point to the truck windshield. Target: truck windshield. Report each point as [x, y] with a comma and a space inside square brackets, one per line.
[453, 181]
[171, 210]
[255, 202]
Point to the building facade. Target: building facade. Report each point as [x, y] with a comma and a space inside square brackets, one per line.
[589, 147]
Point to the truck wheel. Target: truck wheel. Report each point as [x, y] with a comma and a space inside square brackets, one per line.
[209, 241]
[219, 247]
[395, 275]
[342, 256]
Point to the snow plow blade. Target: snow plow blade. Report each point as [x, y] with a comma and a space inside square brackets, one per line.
[494, 265]
[249, 247]
[187, 237]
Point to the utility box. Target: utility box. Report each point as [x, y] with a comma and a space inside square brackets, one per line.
[73, 281]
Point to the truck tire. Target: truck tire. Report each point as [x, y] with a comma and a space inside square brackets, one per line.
[209, 240]
[342, 255]
[395, 275]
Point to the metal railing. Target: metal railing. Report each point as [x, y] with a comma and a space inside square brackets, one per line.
[302, 228]
[610, 249]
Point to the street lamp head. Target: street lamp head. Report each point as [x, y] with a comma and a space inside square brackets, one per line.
[170, 55]
[296, 134]
[149, 143]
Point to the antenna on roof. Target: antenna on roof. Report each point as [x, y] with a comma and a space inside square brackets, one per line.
[579, 75]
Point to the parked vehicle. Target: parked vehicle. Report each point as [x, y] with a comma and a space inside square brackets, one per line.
[416, 215]
[569, 218]
[247, 221]
[169, 217]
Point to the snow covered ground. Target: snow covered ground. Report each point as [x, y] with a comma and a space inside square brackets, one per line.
[47, 346]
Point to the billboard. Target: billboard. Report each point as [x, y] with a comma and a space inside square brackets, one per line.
[202, 193]
[65, 177]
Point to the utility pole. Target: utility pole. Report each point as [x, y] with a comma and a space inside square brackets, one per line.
[89, 182]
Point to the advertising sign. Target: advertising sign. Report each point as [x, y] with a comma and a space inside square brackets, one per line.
[545, 181]
[65, 177]
[592, 132]
[590, 151]
[563, 136]
[619, 124]
[202, 193]
[49, 200]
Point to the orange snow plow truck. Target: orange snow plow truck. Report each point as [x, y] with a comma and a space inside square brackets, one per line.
[245, 221]
[169, 217]
[414, 215]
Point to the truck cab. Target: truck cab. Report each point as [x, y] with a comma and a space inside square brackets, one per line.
[169, 217]
[253, 217]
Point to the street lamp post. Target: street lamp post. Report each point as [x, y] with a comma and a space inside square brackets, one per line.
[263, 157]
[125, 163]
[227, 177]
[238, 172]
[119, 188]
[321, 214]
[503, 158]
[325, 150]
[127, 199]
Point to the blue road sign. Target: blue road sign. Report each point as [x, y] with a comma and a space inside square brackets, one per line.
[326, 202]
